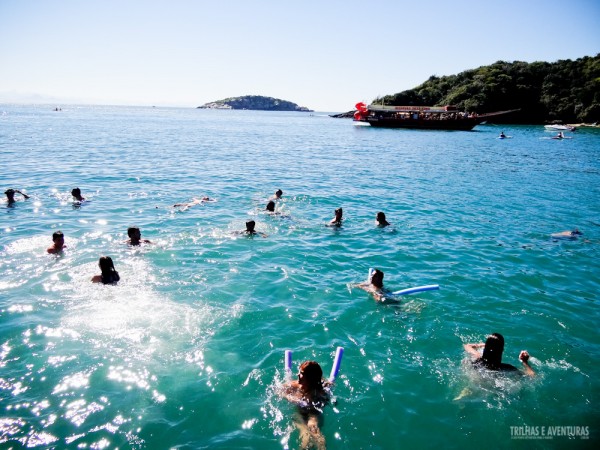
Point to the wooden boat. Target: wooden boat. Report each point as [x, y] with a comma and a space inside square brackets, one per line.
[421, 117]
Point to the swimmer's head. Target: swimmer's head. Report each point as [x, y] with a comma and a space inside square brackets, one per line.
[311, 374]
[492, 352]
[250, 226]
[278, 193]
[380, 217]
[134, 232]
[76, 192]
[106, 264]
[338, 213]
[377, 278]
[58, 235]
[271, 206]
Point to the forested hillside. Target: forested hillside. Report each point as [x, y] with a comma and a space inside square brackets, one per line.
[566, 90]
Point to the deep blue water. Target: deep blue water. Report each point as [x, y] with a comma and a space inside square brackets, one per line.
[187, 350]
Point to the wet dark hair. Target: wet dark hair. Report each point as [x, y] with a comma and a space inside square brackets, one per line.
[57, 234]
[250, 225]
[271, 206]
[109, 274]
[492, 352]
[76, 192]
[311, 374]
[278, 192]
[131, 230]
[377, 278]
[9, 192]
[380, 216]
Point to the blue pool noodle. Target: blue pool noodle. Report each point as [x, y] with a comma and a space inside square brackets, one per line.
[430, 287]
[288, 363]
[337, 362]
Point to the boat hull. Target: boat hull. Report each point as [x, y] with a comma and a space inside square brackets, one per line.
[466, 124]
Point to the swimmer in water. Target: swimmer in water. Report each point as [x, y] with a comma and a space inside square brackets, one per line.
[109, 275]
[135, 237]
[59, 243]
[491, 358]
[569, 235]
[337, 219]
[10, 196]
[308, 393]
[195, 201]
[381, 222]
[502, 135]
[250, 231]
[270, 209]
[76, 193]
[374, 286]
[277, 196]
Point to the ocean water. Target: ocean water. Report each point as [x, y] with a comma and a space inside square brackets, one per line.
[187, 350]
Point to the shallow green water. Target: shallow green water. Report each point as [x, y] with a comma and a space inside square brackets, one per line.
[187, 350]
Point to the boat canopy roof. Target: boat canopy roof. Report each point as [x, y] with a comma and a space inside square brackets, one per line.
[430, 109]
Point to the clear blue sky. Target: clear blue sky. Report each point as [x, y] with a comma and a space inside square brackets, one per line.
[325, 55]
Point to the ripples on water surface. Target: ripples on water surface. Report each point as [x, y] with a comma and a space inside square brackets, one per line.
[187, 350]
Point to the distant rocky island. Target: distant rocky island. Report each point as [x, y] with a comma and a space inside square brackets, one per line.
[255, 102]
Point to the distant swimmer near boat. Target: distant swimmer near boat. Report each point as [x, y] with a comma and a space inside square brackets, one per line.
[567, 235]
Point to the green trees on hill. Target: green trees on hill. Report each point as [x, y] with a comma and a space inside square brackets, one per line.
[566, 90]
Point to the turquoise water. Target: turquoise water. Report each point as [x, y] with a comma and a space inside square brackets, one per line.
[187, 350]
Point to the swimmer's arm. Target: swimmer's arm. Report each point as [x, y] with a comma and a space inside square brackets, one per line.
[524, 357]
[24, 195]
[472, 349]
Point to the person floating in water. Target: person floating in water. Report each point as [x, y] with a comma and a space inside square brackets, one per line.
[135, 237]
[59, 243]
[560, 135]
[195, 201]
[491, 358]
[270, 209]
[502, 135]
[76, 193]
[309, 394]
[277, 196]
[381, 221]
[337, 219]
[569, 235]
[10, 196]
[374, 285]
[109, 275]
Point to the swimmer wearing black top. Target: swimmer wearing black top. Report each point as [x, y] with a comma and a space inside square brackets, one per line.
[491, 358]
[308, 393]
